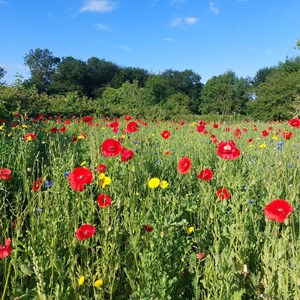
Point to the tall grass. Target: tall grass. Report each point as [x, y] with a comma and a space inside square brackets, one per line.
[200, 247]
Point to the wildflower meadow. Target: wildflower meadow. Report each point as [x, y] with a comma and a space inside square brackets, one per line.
[101, 208]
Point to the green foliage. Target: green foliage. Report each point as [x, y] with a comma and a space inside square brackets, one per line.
[128, 99]
[70, 104]
[225, 94]
[233, 251]
[42, 65]
[2, 72]
[278, 97]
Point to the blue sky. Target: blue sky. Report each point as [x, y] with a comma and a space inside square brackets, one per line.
[209, 37]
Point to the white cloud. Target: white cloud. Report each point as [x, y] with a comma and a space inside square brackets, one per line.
[191, 21]
[213, 8]
[179, 21]
[103, 27]
[168, 39]
[98, 6]
[125, 48]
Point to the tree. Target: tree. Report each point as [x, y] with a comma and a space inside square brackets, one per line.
[100, 75]
[42, 65]
[158, 89]
[261, 75]
[71, 76]
[2, 72]
[277, 98]
[186, 82]
[225, 94]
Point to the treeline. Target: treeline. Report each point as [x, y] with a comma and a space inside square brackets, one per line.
[72, 86]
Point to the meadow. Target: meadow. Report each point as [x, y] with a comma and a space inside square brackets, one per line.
[100, 208]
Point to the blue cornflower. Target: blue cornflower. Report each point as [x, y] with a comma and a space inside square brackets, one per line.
[48, 184]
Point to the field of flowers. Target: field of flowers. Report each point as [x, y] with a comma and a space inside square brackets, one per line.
[99, 208]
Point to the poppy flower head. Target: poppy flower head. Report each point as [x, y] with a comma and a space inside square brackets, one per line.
[37, 184]
[228, 150]
[5, 250]
[87, 119]
[5, 174]
[166, 134]
[287, 135]
[184, 165]
[223, 194]
[126, 154]
[85, 231]
[132, 127]
[101, 168]
[79, 177]
[295, 122]
[104, 200]
[278, 210]
[148, 228]
[206, 174]
[111, 147]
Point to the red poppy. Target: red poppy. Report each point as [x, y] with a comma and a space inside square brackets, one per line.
[287, 135]
[104, 200]
[265, 133]
[200, 255]
[295, 122]
[132, 127]
[79, 177]
[101, 168]
[201, 129]
[63, 129]
[126, 154]
[215, 125]
[206, 174]
[184, 165]
[278, 210]
[148, 228]
[5, 250]
[228, 150]
[87, 119]
[53, 130]
[222, 194]
[29, 136]
[85, 231]
[166, 134]
[127, 118]
[114, 126]
[111, 147]
[37, 184]
[5, 174]
[168, 152]
[237, 132]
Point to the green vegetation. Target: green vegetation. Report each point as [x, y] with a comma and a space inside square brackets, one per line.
[165, 238]
[71, 86]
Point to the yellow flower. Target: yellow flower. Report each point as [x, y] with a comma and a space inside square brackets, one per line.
[25, 126]
[2, 126]
[81, 280]
[83, 163]
[80, 137]
[263, 146]
[104, 180]
[9, 134]
[190, 229]
[98, 283]
[275, 137]
[164, 184]
[153, 183]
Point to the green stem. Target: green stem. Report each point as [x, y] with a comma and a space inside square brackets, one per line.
[6, 281]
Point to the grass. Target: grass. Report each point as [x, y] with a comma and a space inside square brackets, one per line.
[244, 255]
